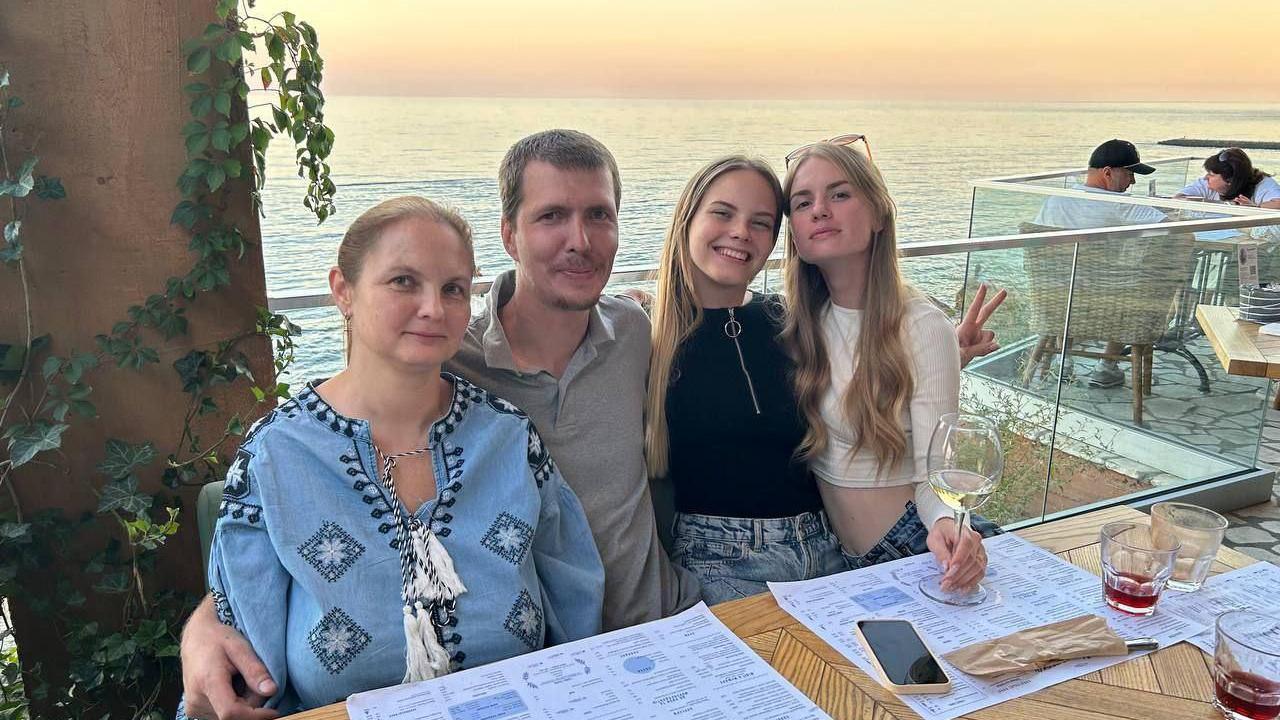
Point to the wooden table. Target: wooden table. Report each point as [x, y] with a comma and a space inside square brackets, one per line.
[1170, 684]
[1239, 347]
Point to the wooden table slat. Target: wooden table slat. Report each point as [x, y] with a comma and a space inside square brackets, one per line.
[764, 643]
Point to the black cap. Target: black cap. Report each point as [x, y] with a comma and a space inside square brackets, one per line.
[1119, 153]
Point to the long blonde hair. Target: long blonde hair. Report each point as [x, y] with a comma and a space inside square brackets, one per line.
[677, 310]
[882, 384]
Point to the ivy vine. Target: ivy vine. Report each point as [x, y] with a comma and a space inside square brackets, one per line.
[126, 668]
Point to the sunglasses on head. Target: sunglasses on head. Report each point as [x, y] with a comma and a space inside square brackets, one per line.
[838, 140]
[1222, 156]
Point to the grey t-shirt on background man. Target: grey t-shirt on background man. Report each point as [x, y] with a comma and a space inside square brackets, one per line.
[592, 419]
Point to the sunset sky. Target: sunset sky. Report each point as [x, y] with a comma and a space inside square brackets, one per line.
[1110, 50]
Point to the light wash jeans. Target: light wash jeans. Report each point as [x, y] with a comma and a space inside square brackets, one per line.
[735, 557]
[907, 537]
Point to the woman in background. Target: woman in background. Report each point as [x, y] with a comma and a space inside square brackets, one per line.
[1231, 177]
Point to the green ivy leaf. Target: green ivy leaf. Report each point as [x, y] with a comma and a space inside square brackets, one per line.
[221, 138]
[215, 177]
[229, 50]
[202, 105]
[123, 458]
[212, 32]
[275, 47]
[190, 368]
[266, 78]
[52, 365]
[224, 8]
[26, 440]
[115, 583]
[49, 188]
[222, 103]
[78, 364]
[239, 132]
[10, 253]
[123, 495]
[197, 88]
[197, 144]
[25, 181]
[281, 119]
[198, 61]
[232, 167]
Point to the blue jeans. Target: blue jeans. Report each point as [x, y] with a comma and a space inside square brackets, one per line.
[907, 537]
[735, 557]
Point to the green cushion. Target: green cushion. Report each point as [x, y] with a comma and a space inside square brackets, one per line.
[206, 518]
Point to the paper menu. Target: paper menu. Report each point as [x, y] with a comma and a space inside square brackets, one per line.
[1255, 587]
[686, 666]
[1035, 586]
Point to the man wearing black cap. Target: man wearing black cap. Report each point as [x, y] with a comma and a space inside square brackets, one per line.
[1111, 171]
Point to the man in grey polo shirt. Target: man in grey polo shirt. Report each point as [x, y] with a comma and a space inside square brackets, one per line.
[576, 361]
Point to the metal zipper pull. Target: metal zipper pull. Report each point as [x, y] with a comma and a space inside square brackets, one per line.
[733, 329]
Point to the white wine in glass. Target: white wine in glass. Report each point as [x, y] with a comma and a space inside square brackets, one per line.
[965, 464]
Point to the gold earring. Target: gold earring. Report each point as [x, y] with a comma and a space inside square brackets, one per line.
[346, 338]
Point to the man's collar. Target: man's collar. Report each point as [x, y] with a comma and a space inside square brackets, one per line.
[497, 349]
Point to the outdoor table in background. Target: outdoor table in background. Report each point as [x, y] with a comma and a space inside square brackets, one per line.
[1171, 683]
[1239, 346]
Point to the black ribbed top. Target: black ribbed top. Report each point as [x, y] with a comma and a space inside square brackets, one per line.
[724, 458]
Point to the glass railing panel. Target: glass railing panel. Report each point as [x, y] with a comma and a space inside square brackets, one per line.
[997, 387]
[1144, 405]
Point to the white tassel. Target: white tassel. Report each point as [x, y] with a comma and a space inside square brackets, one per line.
[436, 654]
[428, 549]
[417, 657]
[443, 564]
[426, 657]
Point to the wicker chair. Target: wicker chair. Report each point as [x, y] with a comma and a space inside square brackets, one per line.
[1125, 291]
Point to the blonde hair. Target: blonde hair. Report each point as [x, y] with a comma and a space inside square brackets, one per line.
[365, 231]
[677, 310]
[882, 384]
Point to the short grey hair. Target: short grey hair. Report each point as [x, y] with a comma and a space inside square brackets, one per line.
[563, 149]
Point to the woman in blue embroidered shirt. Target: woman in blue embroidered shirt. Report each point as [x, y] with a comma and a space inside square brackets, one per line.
[395, 522]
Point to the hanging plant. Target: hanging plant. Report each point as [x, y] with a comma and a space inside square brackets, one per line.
[124, 669]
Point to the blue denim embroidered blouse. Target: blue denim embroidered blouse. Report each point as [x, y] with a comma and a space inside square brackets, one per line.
[305, 558]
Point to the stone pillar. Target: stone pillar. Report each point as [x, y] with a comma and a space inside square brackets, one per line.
[102, 81]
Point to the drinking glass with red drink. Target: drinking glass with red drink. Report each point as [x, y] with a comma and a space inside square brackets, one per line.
[1246, 666]
[1136, 564]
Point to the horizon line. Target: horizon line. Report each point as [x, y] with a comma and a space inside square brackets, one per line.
[980, 101]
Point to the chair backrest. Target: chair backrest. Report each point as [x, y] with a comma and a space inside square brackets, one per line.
[206, 519]
[1123, 290]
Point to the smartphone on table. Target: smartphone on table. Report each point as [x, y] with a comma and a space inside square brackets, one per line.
[906, 665]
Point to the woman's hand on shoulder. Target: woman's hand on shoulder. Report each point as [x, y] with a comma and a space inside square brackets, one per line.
[965, 563]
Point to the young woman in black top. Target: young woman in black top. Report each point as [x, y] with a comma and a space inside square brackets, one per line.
[722, 419]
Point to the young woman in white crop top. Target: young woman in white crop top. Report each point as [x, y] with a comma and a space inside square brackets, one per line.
[876, 366]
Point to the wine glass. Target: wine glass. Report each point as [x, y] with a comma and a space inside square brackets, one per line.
[965, 462]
